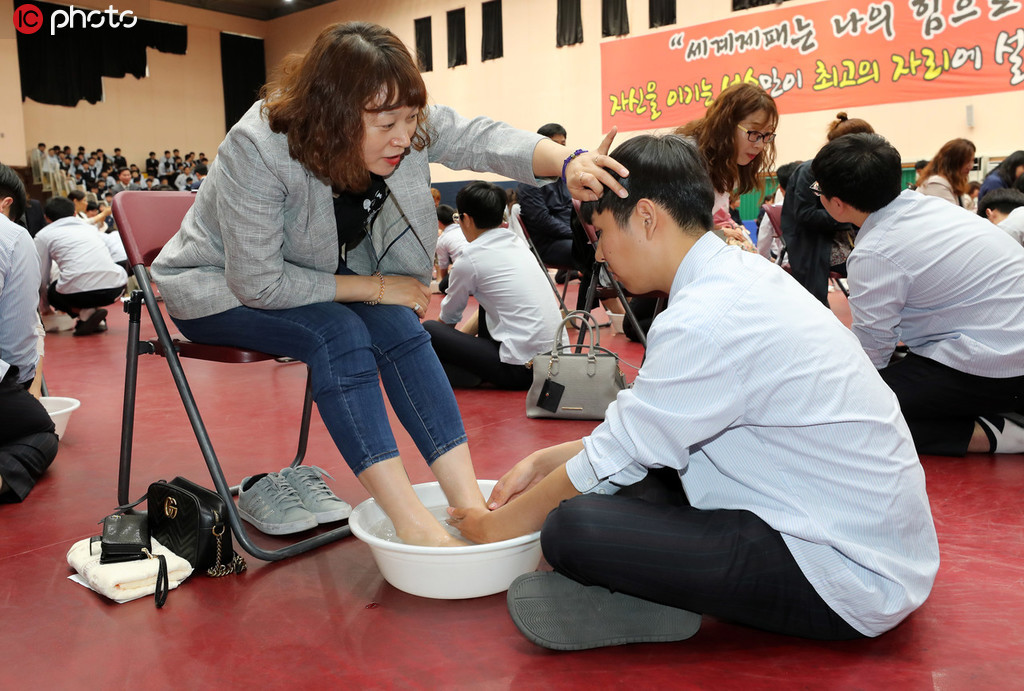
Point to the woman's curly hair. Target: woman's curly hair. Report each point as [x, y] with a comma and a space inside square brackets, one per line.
[318, 99]
[716, 138]
[950, 162]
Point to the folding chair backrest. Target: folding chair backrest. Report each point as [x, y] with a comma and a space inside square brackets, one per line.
[146, 220]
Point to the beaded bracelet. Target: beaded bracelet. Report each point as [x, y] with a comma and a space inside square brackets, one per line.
[571, 156]
[380, 295]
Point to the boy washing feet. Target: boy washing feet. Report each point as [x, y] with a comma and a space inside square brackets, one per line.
[742, 497]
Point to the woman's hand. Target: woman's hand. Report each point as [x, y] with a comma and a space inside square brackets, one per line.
[734, 233]
[398, 290]
[586, 175]
[405, 290]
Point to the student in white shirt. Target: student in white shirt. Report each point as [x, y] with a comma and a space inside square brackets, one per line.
[1004, 206]
[28, 444]
[89, 277]
[450, 244]
[518, 312]
[938, 278]
[769, 233]
[787, 498]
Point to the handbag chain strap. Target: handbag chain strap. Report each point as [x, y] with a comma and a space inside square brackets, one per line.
[219, 570]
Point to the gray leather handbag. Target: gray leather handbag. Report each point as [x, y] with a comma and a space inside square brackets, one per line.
[575, 385]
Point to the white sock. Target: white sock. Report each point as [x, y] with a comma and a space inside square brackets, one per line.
[1005, 432]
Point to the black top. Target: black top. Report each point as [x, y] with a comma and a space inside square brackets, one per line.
[354, 211]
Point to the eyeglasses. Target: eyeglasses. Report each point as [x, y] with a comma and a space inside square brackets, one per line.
[753, 136]
[816, 188]
[455, 217]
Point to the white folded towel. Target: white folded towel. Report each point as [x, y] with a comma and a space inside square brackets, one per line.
[127, 580]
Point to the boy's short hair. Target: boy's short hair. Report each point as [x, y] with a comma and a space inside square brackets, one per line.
[1002, 199]
[785, 172]
[484, 202]
[863, 170]
[76, 195]
[552, 129]
[666, 169]
[58, 208]
[445, 214]
[12, 186]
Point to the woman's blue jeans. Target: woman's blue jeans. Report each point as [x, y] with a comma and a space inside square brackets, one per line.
[346, 346]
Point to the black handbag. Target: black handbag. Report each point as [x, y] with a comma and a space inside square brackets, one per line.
[191, 521]
[125, 538]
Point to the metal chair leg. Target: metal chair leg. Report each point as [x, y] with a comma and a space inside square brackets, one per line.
[202, 436]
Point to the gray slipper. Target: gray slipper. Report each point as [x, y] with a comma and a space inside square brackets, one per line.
[558, 613]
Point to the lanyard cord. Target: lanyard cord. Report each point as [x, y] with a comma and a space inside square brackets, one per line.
[388, 248]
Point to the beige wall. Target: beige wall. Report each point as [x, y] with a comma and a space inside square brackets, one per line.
[181, 103]
[12, 122]
[537, 83]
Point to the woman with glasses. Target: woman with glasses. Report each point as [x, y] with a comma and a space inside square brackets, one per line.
[816, 243]
[736, 136]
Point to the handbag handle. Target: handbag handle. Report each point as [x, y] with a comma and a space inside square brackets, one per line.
[593, 336]
[593, 344]
[593, 331]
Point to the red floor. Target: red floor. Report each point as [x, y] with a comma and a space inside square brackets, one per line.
[327, 618]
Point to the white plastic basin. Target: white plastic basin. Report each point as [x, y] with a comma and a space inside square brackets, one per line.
[444, 573]
[60, 410]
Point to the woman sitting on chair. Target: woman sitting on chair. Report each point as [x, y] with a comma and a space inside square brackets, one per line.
[313, 238]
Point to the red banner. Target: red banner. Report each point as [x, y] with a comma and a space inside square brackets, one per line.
[832, 55]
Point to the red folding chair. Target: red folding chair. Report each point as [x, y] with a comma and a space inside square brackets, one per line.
[146, 221]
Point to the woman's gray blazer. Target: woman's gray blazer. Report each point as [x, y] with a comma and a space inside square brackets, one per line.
[262, 231]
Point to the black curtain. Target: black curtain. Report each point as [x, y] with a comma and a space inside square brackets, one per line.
[68, 67]
[570, 23]
[243, 69]
[424, 45]
[747, 4]
[491, 47]
[614, 18]
[662, 12]
[457, 37]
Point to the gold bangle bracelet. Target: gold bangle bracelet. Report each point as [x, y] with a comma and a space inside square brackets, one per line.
[380, 295]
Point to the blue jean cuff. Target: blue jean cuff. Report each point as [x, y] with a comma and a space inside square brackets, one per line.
[366, 463]
[442, 450]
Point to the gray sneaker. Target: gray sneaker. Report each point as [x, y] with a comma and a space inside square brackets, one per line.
[317, 497]
[273, 505]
